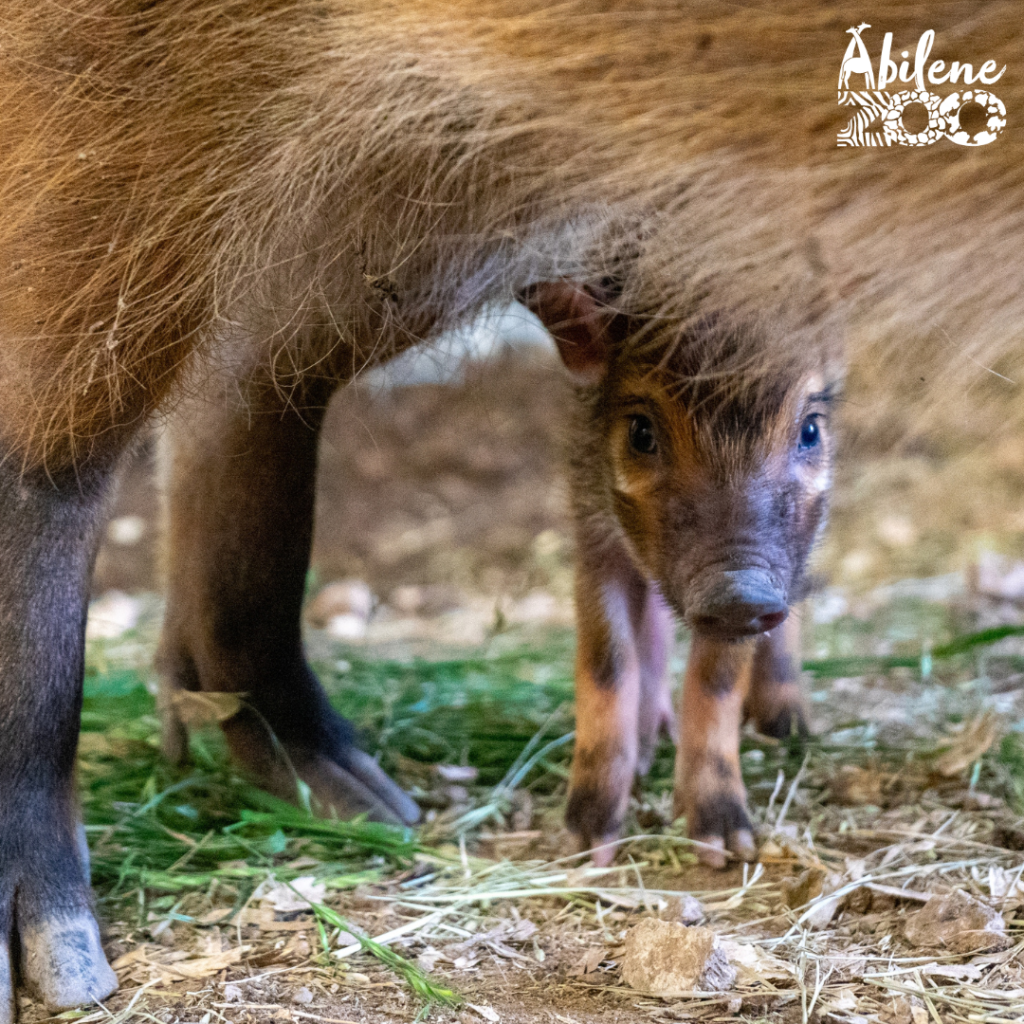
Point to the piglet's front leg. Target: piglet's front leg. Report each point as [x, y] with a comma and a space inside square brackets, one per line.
[708, 785]
[623, 705]
[776, 701]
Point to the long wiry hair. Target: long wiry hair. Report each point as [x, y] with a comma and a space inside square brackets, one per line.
[321, 183]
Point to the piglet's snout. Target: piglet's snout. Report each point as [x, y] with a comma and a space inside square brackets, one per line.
[732, 604]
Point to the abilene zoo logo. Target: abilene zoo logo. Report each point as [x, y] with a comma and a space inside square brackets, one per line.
[944, 113]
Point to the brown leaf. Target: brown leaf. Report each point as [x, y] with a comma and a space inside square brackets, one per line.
[970, 743]
[134, 956]
[206, 966]
[201, 708]
[588, 963]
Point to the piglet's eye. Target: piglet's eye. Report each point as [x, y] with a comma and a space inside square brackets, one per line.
[641, 435]
[810, 433]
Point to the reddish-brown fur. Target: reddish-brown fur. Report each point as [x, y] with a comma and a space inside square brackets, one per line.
[224, 208]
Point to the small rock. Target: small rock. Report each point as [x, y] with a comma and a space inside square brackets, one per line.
[427, 601]
[111, 615]
[126, 531]
[957, 922]
[342, 599]
[684, 908]
[457, 772]
[666, 959]
[997, 576]
[896, 531]
[974, 801]
[346, 627]
[232, 994]
[302, 996]
[455, 795]
[521, 811]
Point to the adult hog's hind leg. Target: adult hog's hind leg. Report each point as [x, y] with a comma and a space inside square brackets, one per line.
[776, 701]
[708, 785]
[48, 934]
[240, 508]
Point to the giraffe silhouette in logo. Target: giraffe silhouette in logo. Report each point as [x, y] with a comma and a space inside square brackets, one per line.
[859, 64]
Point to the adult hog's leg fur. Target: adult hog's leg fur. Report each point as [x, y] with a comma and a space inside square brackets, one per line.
[240, 502]
[50, 525]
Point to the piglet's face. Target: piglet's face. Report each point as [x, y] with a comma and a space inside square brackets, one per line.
[715, 450]
[721, 494]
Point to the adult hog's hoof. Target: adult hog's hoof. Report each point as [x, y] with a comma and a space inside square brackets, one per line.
[343, 781]
[306, 741]
[352, 784]
[49, 939]
[62, 962]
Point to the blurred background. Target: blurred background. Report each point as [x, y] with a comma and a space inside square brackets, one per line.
[442, 507]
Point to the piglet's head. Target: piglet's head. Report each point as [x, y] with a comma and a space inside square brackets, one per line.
[709, 444]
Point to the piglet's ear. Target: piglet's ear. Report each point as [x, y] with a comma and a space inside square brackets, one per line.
[579, 321]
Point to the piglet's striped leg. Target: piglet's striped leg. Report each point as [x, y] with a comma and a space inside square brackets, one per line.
[624, 632]
[708, 785]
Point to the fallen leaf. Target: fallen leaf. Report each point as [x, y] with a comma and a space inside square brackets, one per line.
[955, 972]
[1003, 882]
[287, 898]
[137, 955]
[588, 963]
[427, 960]
[973, 740]
[196, 707]
[206, 966]
[486, 1012]
[755, 964]
[856, 786]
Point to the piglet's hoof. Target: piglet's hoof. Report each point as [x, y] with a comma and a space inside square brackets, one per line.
[717, 819]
